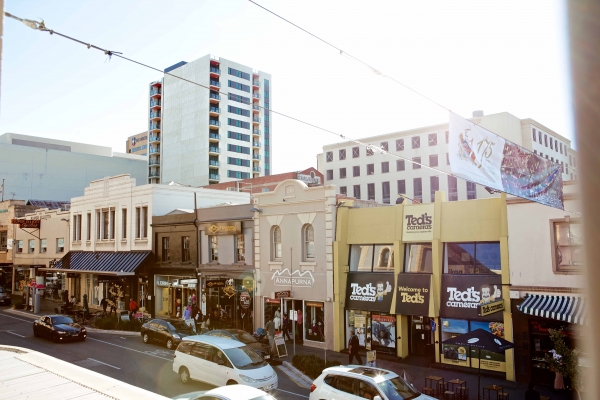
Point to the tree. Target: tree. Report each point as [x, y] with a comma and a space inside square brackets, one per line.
[564, 360]
[116, 294]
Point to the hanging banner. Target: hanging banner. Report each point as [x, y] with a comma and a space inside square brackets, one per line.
[412, 297]
[485, 158]
[369, 291]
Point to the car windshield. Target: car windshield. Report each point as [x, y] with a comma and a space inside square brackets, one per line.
[244, 357]
[244, 337]
[397, 388]
[61, 320]
[179, 326]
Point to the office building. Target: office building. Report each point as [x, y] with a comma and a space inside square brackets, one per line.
[137, 144]
[217, 132]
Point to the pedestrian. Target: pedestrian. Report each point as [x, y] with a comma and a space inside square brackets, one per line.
[216, 319]
[353, 345]
[187, 313]
[531, 393]
[104, 304]
[199, 318]
[113, 306]
[286, 327]
[270, 328]
[133, 306]
[299, 325]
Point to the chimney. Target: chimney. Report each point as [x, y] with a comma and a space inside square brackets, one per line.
[477, 113]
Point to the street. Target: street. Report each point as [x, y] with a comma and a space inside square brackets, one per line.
[127, 358]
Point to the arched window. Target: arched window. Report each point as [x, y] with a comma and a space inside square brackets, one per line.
[276, 243]
[308, 238]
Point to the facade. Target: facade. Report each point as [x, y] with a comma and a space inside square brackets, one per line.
[293, 238]
[547, 276]
[370, 175]
[262, 184]
[199, 136]
[137, 144]
[409, 277]
[40, 168]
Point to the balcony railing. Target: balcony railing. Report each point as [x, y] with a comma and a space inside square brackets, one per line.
[215, 96]
[214, 163]
[154, 91]
[256, 119]
[215, 110]
[256, 83]
[215, 83]
[154, 175]
[256, 156]
[256, 131]
[256, 108]
[154, 115]
[256, 169]
[215, 70]
[154, 126]
[214, 122]
[256, 95]
[154, 103]
[214, 136]
[154, 138]
[152, 163]
[214, 150]
[214, 177]
[154, 151]
[255, 144]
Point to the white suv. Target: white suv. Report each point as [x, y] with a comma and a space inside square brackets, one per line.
[221, 362]
[355, 382]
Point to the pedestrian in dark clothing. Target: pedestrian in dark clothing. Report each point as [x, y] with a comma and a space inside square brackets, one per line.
[353, 345]
[285, 325]
[215, 319]
[531, 393]
[113, 306]
[104, 304]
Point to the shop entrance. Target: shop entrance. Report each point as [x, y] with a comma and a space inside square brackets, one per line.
[375, 331]
[421, 343]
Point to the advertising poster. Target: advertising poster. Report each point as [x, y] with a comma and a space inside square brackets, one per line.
[489, 360]
[383, 328]
[452, 354]
[412, 294]
[371, 358]
[463, 295]
[370, 292]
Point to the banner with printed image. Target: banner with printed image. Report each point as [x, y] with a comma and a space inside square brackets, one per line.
[485, 158]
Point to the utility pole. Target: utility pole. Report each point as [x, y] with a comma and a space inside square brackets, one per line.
[2, 189]
[295, 323]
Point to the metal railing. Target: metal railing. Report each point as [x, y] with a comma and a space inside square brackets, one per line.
[214, 163]
[256, 156]
[154, 151]
[214, 150]
[215, 96]
[154, 115]
[215, 70]
[154, 103]
[214, 136]
[256, 131]
[256, 95]
[256, 83]
[255, 144]
[214, 122]
[215, 110]
[154, 138]
[256, 169]
[154, 126]
[257, 108]
[152, 163]
[215, 83]
[214, 177]
[256, 119]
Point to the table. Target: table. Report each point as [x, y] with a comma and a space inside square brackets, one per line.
[492, 388]
[454, 382]
[431, 379]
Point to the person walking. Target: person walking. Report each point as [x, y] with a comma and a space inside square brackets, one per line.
[299, 325]
[113, 306]
[286, 327]
[216, 319]
[270, 328]
[353, 345]
[104, 304]
[133, 306]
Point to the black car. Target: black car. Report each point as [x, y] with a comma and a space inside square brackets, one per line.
[262, 349]
[167, 331]
[59, 328]
[4, 297]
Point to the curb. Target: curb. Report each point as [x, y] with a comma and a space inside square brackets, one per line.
[303, 378]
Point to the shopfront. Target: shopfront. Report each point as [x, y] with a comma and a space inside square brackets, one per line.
[173, 293]
[232, 299]
[413, 299]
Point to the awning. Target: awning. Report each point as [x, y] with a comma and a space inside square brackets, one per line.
[562, 308]
[101, 262]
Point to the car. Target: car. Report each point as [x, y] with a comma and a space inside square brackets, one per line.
[4, 297]
[359, 382]
[231, 392]
[261, 349]
[59, 328]
[220, 362]
[167, 331]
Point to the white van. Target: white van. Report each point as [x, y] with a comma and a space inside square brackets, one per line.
[221, 362]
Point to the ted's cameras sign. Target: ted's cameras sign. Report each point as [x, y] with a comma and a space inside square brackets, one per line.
[370, 291]
[464, 296]
[412, 294]
[417, 224]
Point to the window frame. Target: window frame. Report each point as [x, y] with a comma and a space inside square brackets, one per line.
[329, 156]
[415, 161]
[213, 248]
[565, 269]
[415, 142]
[240, 250]
[342, 154]
[342, 173]
[432, 139]
[276, 247]
[399, 144]
[356, 152]
[370, 169]
[371, 191]
[185, 249]
[400, 165]
[385, 167]
[307, 243]
[165, 253]
[433, 159]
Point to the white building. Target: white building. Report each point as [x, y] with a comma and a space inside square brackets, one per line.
[374, 176]
[199, 136]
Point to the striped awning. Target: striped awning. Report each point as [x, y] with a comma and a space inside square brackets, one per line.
[562, 308]
[101, 262]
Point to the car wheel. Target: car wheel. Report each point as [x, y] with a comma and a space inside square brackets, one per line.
[35, 332]
[55, 337]
[170, 344]
[184, 375]
[145, 338]
[229, 383]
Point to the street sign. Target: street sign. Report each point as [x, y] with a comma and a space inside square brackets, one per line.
[284, 294]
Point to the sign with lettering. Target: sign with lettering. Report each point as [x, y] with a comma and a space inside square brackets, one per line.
[369, 292]
[417, 223]
[284, 294]
[412, 294]
[463, 295]
[490, 308]
[245, 300]
[309, 179]
[225, 228]
[297, 278]
[188, 281]
[218, 283]
[26, 223]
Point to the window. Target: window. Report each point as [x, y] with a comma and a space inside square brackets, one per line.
[472, 258]
[112, 224]
[371, 191]
[552, 159]
[89, 227]
[369, 258]
[452, 188]
[418, 189]
[238, 161]
[238, 174]
[471, 191]
[416, 163]
[418, 258]
[568, 246]
[166, 254]
[416, 142]
[137, 222]
[214, 248]
[105, 224]
[534, 135]
[3, 241]
[238, 149]
[329, 156]
[399, 144]
[308, 236]
[432, 139]
[447, 136]
[555, 144]
[238, 111]
[370, 169]
[384, 146]
[546, 140]
[434, 185]
[385, 167]
[239, 74]
[342, 173]
[60, 245]
[356, 170]
[145, 222]
[562, 167]
[329, 174]
[433, 160]
[385, 191]
[77, 227]
[343, 190]
[43, 245]
[240, 248]
[560, 146]
[355, 152]
[19, 246]
[399, 165]
[238, 136]
[369, 151]
[356, 189]
[401, 186]
[239, 99]
[98, 214]
[237, 123]
[141, 222]
[342, 154]
[314, 312]
[276, 243]
[239, 86]
[447, 159]
[185, 248]
[31, 247]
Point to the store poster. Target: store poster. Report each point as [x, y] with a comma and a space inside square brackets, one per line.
[370, 291]
[463, 295]
[412, 294]
[360, 328]
[452, 354]
[371, 358]
[417, 223]
[489, 360]
[383, 329]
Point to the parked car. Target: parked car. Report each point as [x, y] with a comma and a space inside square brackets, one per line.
[261, 349]
[232, 392]
[219, 361]
[354, 382]
[4, 297]
[59, 328]
[170, 332]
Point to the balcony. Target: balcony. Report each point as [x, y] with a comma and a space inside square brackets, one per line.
[256, 156]
[154, 127]
[214, 136]
[154, 139]
[255, 108]
[213, 163]
[214, 98]
[214, 111]
[154, 175]
[156, 84]
[155, 93]
[256, 132]
[256, 169]
[215, 72]
[256, 120]
[255, 144]
[213, 122]
[154, 116]
[154, 163]
[214, 150]
[213, 177]
[256, 84]
[255, 96]
[155, 104]
[215, 84]
[154, 150]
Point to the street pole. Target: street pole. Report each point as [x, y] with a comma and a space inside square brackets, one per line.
[293, 301]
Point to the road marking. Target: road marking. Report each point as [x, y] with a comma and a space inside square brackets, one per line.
[122, 337]
[112, 366]
[8, 316]
[127, 348]
[300, 395]
[12, 333]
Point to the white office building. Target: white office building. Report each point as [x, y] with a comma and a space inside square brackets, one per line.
[197, 135]
[370, 175]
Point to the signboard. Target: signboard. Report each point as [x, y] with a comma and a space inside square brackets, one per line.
[280, 346]
[462, 295]
[284, 294]
[417, 223]
[27, 223]
[412, 294]
[223, 228]
[369, 291]
[309, 179]
[272, 301]
[191, 322]
[188, 281]
[371, 358]
[491, 308]
[296, 278]
[245, 300]
[229, 288]
[219, 283]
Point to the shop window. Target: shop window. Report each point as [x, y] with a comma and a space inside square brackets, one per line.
[314, 319]
[369, 258]
[3, 241]
[375, 331]
[214, 248]
[276, 243]
[124, 223]
[105, 224]
[60, 245]
[308, 234]
[568, 246]
[240, 248]
[19, 246]
[384, 258]
[418, 258]
[472, 258]
[98, 237]
[166, 256]
[43, 246]
[31, 247]
[141, 222]
[185, 248]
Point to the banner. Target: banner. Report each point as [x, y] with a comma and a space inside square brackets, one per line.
[412, 295]
[483, 157]
[369, 291]
[463, 295]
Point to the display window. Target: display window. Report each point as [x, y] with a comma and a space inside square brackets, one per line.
[375, 331]
[314, 328]
[371, 257]
[272, 309]
[480, 258]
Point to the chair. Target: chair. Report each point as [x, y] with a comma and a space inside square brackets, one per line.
[448, 394]
[428, 391]
[463, 393]
[442, 387]
[503, 396]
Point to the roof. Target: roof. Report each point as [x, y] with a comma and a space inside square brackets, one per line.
[110, 262]
[222, 343]
[50, 204]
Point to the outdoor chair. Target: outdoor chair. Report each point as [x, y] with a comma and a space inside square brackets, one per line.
[56, 310]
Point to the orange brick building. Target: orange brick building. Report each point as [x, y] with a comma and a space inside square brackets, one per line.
[310, 176]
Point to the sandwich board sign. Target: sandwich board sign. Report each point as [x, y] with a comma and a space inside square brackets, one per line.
[280, 345]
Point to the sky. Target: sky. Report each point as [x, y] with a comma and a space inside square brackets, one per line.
[493, 56]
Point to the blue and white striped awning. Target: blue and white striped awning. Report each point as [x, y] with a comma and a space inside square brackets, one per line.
[562, 308]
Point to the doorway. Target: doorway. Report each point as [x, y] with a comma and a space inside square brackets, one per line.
[421, 343]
